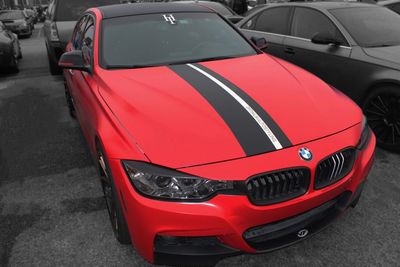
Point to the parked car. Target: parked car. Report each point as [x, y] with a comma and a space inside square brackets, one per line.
[218, 7]
[355, 47]
[32, 15]
[206, 146]
[391, 4]
[10, 49]
[17, 21]
[60, 22]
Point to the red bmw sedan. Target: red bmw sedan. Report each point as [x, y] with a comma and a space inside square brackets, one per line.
[206, 147]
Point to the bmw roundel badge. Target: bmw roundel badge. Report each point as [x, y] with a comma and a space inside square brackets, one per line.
[305, 154]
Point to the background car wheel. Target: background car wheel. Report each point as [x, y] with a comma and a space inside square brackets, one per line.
[117, 218]
[14, 64]
[53, 66]
[382, 108]
[70, 102]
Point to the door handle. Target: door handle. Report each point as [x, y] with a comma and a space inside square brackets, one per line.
[289, 50]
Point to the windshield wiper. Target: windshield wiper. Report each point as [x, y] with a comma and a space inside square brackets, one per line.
[200, 60]
[379, 45]
[111, 67]
[114, 67]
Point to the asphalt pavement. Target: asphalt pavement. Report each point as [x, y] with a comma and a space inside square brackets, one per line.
[52, 212]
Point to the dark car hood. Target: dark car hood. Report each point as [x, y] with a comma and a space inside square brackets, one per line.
[390, 53]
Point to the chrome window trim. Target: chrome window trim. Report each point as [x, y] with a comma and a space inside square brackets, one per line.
[294, 37]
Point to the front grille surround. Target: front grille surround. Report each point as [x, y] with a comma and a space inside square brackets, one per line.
[334, 167]
[278, 186]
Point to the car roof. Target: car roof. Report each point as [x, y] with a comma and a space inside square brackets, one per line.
[323, 5]
[123, 10]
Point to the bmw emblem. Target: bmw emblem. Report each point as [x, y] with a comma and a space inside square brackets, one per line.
[305, 154]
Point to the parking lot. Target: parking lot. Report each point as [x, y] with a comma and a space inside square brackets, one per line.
[52, 212]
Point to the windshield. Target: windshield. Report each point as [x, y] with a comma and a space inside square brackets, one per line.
[370, 26]
[11, 15]
[71, 10]
[148, 40]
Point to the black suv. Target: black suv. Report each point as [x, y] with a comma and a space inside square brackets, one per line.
[60, 22]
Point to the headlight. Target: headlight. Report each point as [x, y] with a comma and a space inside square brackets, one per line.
[365, 134]
[163, 183]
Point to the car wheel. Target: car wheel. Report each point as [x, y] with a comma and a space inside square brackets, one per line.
[70, 102]
[114, 208]
[382, 108]
[14, 64]
[53, 66]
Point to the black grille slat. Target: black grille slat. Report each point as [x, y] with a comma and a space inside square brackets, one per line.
[334, 168]
[278, 186]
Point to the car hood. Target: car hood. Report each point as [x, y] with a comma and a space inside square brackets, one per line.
[389, 53]
[175, 125]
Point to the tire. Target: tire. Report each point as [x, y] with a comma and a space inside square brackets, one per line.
[114, 208]
[14, 64]
[53, 66]
[70, 102]
[382, 109]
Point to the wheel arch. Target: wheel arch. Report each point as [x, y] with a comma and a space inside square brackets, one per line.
[379, 84]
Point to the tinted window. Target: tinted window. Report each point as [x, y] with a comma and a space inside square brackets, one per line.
[370, 26]
[152, 40]
[77, 35]
[224, 11]
[308, 22]
[11, 15]
[70, 10]
[395, 7]
[273, 20]
[87, 41]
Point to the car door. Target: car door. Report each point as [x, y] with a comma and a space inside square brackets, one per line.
[327, 61]
[271, 24]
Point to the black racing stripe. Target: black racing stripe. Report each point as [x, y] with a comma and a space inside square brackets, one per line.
[280, 135]
[246, 130]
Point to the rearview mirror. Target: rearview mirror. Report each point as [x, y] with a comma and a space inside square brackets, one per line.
[261, 43]
[73, 60]
[325, 39]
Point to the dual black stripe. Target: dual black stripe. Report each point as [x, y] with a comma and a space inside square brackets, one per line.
[248, 132]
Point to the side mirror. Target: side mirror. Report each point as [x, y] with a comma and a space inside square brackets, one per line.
[324, 39]
[252, 3]
[235, 19]
[73, 60]
[261, 43]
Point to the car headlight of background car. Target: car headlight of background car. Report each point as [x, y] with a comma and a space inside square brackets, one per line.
[162, 183]
[365, 134]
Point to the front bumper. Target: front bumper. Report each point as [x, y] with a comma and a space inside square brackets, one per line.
[168, 232]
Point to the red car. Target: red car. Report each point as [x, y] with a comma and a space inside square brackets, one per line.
[207, 147]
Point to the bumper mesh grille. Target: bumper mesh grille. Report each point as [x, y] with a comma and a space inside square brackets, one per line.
[334, 168]
[278, 186]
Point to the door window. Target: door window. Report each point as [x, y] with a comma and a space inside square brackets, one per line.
[77, 35]
[308, 22]
[87, 41]
[272, 20]
[395, 8]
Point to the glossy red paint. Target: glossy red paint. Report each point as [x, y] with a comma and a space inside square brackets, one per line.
[153, 115]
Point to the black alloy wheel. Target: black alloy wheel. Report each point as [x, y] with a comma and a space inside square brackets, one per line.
[117, 219]
[382, 109]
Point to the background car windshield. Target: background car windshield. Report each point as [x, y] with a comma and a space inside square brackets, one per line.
[370, 26]
[152, 40]
[11, 15]
[71, 10]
